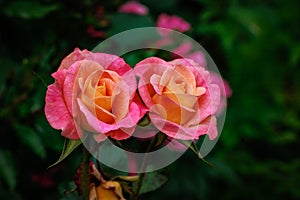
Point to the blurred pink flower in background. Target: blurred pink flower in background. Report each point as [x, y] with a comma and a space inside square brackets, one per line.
[163, 42]
[183, 49]
[172, 22]
[93, 29]
[47, 179]
[133, 7]
[217, 79]
[198, 57]
[99, 12]
[43, 180]
[92, 32]
[225, 93]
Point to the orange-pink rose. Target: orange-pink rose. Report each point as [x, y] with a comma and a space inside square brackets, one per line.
[93, 92]
[180, 96]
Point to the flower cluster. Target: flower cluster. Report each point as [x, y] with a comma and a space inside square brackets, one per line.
[100, 94]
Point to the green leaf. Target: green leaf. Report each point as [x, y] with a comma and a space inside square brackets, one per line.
[152, 182]
[28, 9]
[31, 139]
[8, 170]
[68, 148]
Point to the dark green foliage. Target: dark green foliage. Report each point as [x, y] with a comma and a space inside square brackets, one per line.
[256, 47]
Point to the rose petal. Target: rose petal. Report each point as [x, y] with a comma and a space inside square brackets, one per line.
[188, 77]
[147, 63]
[185, 101]
[107, 61]
[120, 100]
[171, 110]
[71, 132]
[212, 131]
[154, 80]
[165, 78]
[145, 69]
[126, 124]
[112, 63]
[120, 134]
[177, 131]
[56, 110]
[76, 55]
[135, 113]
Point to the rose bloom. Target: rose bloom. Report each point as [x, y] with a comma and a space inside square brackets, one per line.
[133, 7]
[180, 97]
[93, 92]
[171, 22]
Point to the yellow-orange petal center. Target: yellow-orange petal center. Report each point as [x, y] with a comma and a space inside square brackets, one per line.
[179, 94]
[104, 96]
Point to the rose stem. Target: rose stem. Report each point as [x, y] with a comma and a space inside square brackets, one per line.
[142, 175]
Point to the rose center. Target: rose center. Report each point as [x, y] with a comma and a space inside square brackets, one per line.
[103, 97]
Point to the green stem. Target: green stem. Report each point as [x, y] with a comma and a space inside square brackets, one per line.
[143, 174]
[138, 186]
[85, 174]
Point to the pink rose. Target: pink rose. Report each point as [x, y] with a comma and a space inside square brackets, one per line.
[94, 92]
[133, 7]
[180, 97]
[172, 22]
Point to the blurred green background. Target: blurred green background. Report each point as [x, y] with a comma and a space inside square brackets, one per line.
[256, 46]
